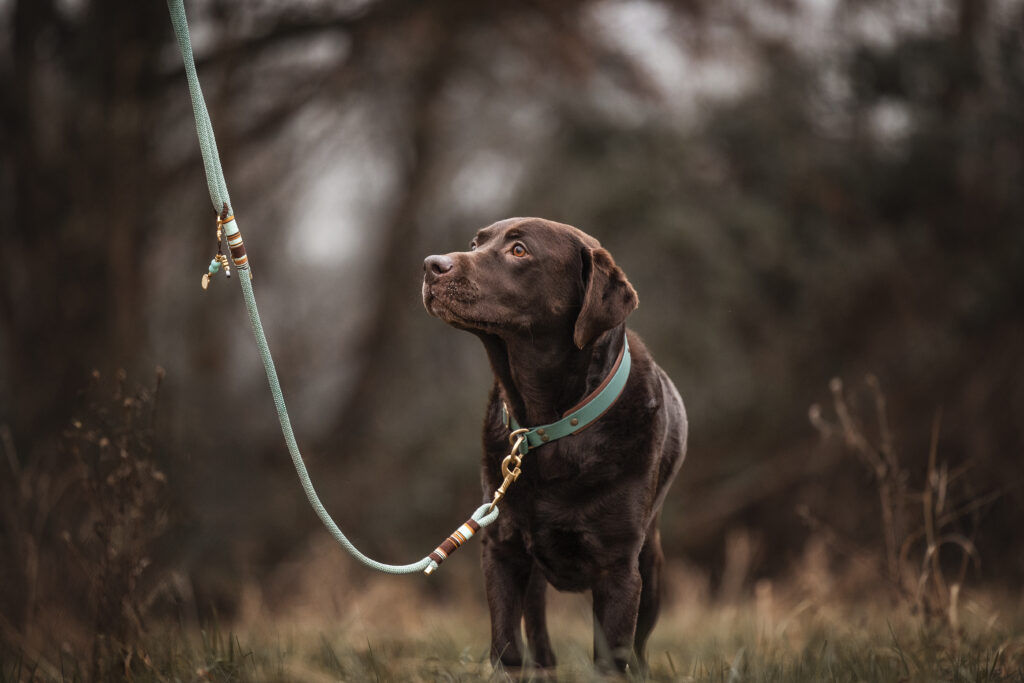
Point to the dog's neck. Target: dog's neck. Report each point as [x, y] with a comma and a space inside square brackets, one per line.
[541, 378]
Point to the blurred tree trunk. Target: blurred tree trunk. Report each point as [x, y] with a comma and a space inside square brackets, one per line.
[75, 187]
[78, 183]
[399, 254]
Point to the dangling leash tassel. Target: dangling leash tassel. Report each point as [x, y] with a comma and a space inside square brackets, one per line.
[235, 244]
[211, 271]
[219, 260]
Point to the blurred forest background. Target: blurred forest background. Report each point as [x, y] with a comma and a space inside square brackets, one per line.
[799, 190]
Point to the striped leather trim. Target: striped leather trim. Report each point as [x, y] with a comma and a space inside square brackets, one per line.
[455, 541]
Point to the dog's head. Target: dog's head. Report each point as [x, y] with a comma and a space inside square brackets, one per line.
[529, 276]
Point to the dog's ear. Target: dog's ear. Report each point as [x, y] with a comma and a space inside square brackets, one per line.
[607, 296]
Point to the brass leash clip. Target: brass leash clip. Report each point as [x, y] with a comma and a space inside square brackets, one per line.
[510, 466]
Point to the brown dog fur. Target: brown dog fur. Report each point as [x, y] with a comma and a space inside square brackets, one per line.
[549, 305]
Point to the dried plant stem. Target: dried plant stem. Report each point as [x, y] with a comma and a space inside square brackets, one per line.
[931, 593]
[882, 461]
[931, 484]
[93, 503]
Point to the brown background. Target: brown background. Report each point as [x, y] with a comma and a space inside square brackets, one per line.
[798, 191]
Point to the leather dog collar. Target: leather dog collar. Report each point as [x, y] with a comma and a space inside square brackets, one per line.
[583, 414]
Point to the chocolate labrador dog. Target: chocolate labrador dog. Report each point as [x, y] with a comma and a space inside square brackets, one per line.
[549, 305]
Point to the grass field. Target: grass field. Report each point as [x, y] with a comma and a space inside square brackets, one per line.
[843, 611]
[395, 637]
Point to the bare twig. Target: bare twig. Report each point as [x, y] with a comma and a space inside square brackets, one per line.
[931, 485]
[930, 591]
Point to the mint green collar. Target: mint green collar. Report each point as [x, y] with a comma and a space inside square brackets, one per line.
[586, 412]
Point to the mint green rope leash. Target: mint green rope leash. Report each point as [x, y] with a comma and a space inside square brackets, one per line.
[222, 206]
[204, 127]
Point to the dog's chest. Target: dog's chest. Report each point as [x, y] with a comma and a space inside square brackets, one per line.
[580, 504]
[568, 554]
[574, 532]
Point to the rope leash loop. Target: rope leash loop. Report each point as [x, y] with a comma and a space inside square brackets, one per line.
[227, 227]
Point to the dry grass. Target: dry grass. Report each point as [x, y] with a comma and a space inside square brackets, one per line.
[80, 518]
[389, 635]
[921, 622]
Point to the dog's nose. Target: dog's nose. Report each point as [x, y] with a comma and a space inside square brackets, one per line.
[435, 266]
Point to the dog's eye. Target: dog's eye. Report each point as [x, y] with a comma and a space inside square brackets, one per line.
[518, 250]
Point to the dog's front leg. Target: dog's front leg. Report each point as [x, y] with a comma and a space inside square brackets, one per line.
[616, 603]
[506, 575]
[535, 620]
